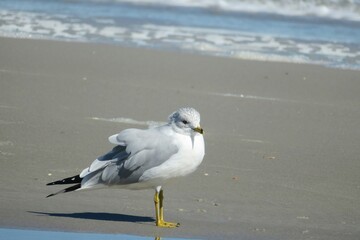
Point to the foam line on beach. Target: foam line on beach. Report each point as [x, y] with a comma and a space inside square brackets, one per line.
[252, 140]
[9, 71]
[7, 107]
[233, 95]
[272, 99]
[129, 121]
[6, 143]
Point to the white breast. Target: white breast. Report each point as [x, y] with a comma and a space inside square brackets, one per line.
[186, 161]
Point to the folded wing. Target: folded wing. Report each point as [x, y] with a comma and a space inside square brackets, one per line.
[136, 151]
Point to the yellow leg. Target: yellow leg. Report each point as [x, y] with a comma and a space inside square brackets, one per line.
[159, 211]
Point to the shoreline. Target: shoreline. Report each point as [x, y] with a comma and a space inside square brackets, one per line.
[196, 52]
[281, 141]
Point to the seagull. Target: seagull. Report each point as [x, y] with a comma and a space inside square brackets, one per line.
[146, 159]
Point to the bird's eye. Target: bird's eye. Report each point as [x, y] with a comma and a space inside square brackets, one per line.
[185, 122]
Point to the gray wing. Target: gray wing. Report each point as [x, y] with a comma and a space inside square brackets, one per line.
[131, 170]
[91, 176]
[139, 150]
[118, 153]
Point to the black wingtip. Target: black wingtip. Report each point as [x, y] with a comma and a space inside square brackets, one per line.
[69, 189]
[69, 180]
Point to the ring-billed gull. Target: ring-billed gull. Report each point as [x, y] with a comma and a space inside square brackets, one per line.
[146, 158]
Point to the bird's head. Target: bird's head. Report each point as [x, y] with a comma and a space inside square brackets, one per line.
[186, 121]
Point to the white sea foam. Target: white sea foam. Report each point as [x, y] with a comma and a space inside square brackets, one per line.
[243, 45]
[111, 31]
[240, 43]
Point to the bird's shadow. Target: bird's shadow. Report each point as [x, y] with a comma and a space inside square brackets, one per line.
[101, 216]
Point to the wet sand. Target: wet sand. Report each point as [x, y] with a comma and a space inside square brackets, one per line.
[282, 141]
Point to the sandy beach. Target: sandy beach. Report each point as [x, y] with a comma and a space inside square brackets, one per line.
[282, 141]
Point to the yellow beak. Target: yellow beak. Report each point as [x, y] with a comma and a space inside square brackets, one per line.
[199, 130]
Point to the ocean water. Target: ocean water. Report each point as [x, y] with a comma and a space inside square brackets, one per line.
[325, 32]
